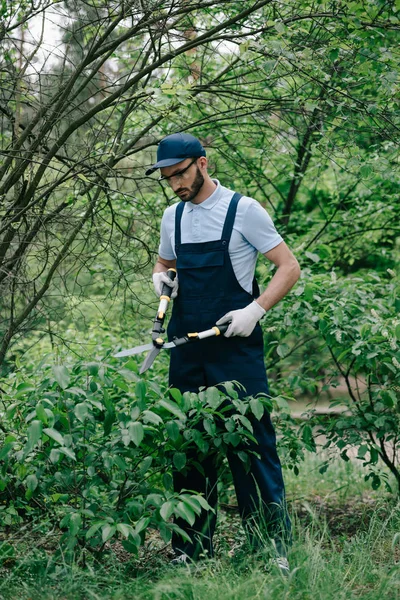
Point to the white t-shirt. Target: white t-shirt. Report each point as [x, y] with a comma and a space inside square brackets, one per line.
[253, 230]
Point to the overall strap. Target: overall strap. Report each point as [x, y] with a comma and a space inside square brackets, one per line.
[178, 218]
[230, 217]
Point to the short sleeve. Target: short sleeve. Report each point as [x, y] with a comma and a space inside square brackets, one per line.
[166, 248]
[259, 229]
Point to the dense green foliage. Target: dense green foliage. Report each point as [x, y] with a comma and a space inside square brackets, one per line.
[346, 546]
[90, 450]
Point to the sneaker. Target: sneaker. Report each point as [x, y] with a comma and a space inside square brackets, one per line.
[283, 564]
[180, 560]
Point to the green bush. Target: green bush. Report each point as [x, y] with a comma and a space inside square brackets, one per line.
[90, 450]
[345, 329]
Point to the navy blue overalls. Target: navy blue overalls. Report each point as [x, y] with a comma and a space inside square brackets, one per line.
[208, 289]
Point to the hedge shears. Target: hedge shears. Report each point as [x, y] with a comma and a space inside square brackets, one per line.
[158, 343]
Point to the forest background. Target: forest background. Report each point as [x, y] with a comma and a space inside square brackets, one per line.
[297, 105]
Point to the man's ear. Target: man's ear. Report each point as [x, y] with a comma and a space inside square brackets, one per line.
[202, 162]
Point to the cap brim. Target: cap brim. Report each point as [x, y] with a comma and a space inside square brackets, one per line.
[167, 162]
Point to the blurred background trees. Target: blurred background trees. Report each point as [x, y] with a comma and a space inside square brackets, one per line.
[297, 106]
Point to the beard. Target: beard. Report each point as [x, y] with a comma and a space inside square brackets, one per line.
[192, 191]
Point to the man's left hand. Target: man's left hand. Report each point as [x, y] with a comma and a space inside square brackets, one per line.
[243, 320]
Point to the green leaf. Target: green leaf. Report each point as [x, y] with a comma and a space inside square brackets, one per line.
[121, 383]
[132, 544]
[142, 524]
[333, 54]
[61, 375]
[140, 391]
[389, 398]
[230, 425]
[203, 503]
[176, 394]
[181, 532]
[75, 523]
[6, 550]
[280, 27]
[282, 404]
[34, 434]
[213, 397]
[257, 408]
[54, 435]
[81, 411]
[179, 460]
[365, 171]
[125, 529]
[167, 509]
[92, 530]
[245, 458]
[314, 257]
[185, 512]
[109, 419]
[54, 455]
[362, 451]
[136, 432]
[93, 368]
[6, 449]
[23, 388]
[76, 391]
[210, 427]
[245, 421]
[135, 413]
[150, 417]
[376, 482]
[41, 413]
[67, 452]
[145, 465]
[172, 408]
[232, 438]
[192, 502]
[282, 350]
[107, 532]
[309, 292]
[31, 482]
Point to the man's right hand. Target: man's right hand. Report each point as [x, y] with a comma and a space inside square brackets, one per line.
[160, 278]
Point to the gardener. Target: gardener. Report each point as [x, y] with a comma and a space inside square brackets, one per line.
[212, 237]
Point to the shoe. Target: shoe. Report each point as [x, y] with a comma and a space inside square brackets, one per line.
[181, 560]
[283, 564]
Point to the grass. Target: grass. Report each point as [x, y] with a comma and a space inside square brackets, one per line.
[346, 545]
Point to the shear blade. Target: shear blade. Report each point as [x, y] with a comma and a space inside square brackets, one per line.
[136, 350]
[149, 359]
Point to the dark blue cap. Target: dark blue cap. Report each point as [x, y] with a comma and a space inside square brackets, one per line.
[174, 148]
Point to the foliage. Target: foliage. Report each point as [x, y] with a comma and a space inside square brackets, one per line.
[346, 544]
[90, 449]
[351, 330]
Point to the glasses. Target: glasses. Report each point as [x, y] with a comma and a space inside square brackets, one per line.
[178, 175]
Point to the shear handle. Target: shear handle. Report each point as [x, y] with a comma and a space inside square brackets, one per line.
[165, 298]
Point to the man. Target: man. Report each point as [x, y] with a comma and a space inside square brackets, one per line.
[212, 237]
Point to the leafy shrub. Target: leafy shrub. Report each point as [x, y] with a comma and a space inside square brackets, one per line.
[90, 449]
[348, 329]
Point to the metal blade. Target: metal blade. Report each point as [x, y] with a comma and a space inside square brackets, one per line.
[169, 345]
[149, 359]
[136, 350]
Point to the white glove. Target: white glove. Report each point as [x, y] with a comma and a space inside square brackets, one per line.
[160, 278]
[243, 320]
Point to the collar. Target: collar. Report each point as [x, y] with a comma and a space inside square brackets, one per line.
[209, 202]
